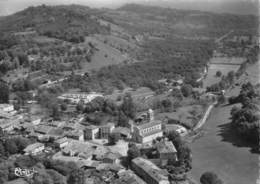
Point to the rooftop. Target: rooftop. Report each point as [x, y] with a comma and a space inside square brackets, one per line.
[91, 127]
[150, 133]
[149, 124]
[151, 169]
[43, 129]
[33, 146]
[165, 147]
[61, 140]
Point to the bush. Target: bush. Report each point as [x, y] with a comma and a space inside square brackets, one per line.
[210, 178]
[186, 90]
[218, 74]
[113, 138]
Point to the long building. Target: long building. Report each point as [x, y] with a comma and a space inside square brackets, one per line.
[149, 172]
[77, 97]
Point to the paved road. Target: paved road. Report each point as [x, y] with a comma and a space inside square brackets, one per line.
[220, 151]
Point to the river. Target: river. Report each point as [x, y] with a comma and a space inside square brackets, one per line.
[222, 152]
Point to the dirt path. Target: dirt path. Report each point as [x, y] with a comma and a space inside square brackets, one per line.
[221, 151]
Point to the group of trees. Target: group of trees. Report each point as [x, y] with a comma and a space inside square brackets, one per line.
[47, 98]
[245, 120]
[9, 146]
[133, 152]
[184, 163]
[4, 92]
[121, 113]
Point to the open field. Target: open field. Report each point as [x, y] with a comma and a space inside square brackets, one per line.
[227, 60]
[183, 114]
[221, 151]
[223, 64]
[213, 68]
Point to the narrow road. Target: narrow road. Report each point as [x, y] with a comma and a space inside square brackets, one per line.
[222, 152]
[224, 36]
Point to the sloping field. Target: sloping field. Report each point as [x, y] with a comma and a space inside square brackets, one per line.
[103, 56]
[116, 42]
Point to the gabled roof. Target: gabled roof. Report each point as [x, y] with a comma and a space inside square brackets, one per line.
[149, 124]
[43, 129]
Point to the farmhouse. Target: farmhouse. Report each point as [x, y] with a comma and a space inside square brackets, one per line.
[112, 158]
[62, 142]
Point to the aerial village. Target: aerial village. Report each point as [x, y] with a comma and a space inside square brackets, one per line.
[84, 106]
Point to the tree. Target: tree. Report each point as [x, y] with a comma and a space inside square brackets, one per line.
[186, 90]
[4, 92]
[23, 59]
[113, 138]
[122, 119]
[132, 153]
[210, 178]
[218, 73]
[55, 113]
[167, 105]
[80, 106]
[21, 143]
[2, 149]
[56, 177]
[10, 146]
[63, 106]
[183, 151]
[177, 93]
[128, 106]
[77, 177]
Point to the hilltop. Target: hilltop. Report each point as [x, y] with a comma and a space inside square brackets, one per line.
[62, 22]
